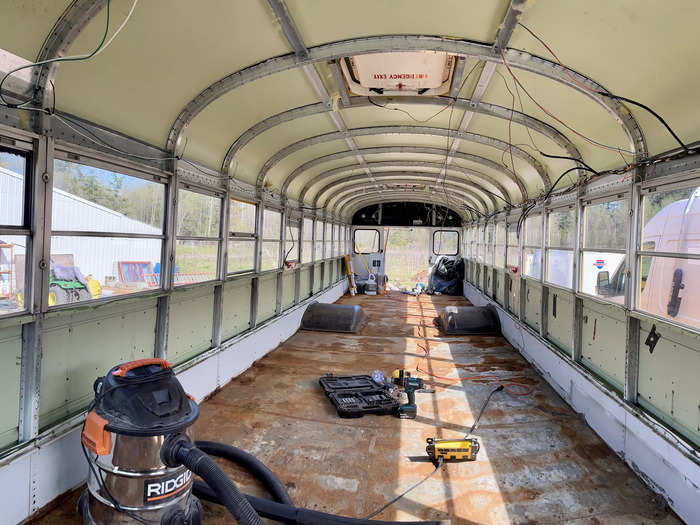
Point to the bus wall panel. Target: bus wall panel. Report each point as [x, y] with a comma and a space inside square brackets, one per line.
[305, 283]
[499, 280]
[533, 302]
[267, 297]
[603, 341]
[288, 280]
[668, 378]
[560, 327]
[10, 364]
[667, 464]
[190, 323]
[81, 345]
[513, 291]
[317, 278]
[235, 312]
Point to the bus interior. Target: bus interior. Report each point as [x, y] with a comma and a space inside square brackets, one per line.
[319, 262]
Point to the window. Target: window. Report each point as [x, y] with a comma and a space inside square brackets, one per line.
[198, 231]
[489, 242]
[241, 236]
[561, 235]
[512, 247]
[291, 242]
[14, 230]
[328, 241]
[341, 240]
[107, 233]
[532, 251]
[366, 241]
[318, 241]
[473, 242]
[668, 263]
[603, 268]
[500, 255]
[445, 242]
[480, 232]
[307, 241]
[271, 240]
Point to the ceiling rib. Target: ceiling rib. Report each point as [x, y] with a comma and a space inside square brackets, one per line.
[358, 202]
[403, 130]
[57, 43]
[457, 76]
[387, 43]
[292, 35]
[454, 191]
[396, 149]
[395, 177]
[360, 102]
[409, 164]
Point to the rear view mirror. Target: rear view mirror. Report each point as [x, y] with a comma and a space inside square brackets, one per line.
[603, 283]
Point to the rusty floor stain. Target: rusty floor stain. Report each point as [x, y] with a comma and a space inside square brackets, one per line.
[539, 462]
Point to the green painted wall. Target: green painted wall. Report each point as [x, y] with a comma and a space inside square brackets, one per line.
[81, 345]
[603, 341]
[190, 323]
[235, 314]
[10, 363]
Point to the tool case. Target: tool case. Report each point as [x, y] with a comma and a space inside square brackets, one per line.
[355, 396]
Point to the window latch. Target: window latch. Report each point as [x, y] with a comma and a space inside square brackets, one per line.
[652, 339]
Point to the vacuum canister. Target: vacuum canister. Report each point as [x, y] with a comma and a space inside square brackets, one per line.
[137, 404]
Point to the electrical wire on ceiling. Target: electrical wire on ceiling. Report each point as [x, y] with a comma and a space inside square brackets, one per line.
[605, 93]
[104, 44]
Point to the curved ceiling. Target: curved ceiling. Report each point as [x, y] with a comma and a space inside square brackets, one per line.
[251, 88]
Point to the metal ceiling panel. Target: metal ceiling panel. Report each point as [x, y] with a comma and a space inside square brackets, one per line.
[20, 15]
[213, 130]
[168, 52]
[644, 50]
[320, 21]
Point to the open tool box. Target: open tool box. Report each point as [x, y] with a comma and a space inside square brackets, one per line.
[355, 396]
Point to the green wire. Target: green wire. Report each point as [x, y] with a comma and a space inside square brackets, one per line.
[66, 59]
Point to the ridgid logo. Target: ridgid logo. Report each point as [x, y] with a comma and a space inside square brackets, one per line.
[164, 488]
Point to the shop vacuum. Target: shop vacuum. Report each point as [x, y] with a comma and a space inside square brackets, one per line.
[139, 443]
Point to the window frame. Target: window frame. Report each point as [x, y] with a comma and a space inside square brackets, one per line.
[571, 208]
[354, 243]
[235, 236]
[646, 189]
[535, 217]
[582, 250]
[277, 240]
[444, 230]
[187, 186]
[70, 155]
[25, 150]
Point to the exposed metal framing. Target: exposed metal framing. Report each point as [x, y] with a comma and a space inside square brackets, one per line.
[466, 175]
[468, 105]
[336, 50]
[410, 177]
[354, 191]
[372, 198]
[439, 152]
[292, 35]
[403, 130]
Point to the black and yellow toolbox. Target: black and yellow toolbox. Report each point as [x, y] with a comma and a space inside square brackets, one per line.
[355, 396]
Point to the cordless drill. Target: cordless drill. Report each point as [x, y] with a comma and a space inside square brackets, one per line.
[403, 379]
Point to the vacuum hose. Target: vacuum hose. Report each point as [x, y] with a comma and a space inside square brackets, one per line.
[178, 450]
[291, 515]
[252, 464]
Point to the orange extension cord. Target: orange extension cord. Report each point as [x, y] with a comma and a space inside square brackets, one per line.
[512, 387]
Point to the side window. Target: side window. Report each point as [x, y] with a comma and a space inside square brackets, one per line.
[14, 167]
[500, 255]
[241, 236]
[532, 250]
[198, 225]
[366, 241]
[669, 270]
[307, 241]
[107, 233]
[603, 271]
[272, 231]
[561, 235]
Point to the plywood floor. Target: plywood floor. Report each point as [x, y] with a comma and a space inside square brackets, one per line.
[539, 461]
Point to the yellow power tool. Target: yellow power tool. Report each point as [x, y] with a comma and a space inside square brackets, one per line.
[452, 449]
